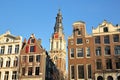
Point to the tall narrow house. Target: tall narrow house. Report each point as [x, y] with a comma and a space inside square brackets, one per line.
[32, 60]
[10, 46]
[58, 46]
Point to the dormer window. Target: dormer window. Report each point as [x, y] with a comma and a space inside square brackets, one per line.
[105, 29]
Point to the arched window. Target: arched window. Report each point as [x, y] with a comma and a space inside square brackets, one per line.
[1, 62]
[15, 62]
[109, 78]
[99, 78]
[8, 62]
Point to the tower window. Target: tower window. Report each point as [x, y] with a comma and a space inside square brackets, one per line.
[105, 29]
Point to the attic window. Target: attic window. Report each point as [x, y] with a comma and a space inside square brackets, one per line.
[32, 40]
[105, 29]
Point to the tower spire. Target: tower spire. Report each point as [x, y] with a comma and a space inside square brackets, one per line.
[58, 24]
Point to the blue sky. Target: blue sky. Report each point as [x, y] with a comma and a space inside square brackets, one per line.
[24, 17]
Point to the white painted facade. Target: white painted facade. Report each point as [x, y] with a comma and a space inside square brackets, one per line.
[10, 46]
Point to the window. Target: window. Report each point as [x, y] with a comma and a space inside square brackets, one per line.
[32, 48]
[98, 51]
[23, 71]
[79, 41]
[14, 75]
[16, 62]
[16, 48]
[56, 45]
[24, 59]
[105, 29]
[6, 75]
[29, 71]
[72, 72]
[9, 49]
[106, 40]
[116, 38]
[97, 40]
[32, 40]
[71, 42]
[117, 50]
[118, 63]
[30, 58]
[80, 71]
[89, 68]
[2, 50]
[37, 69]
[99, 64]
[79, 32]
[107, 50]
[1, 62]
[37, 58]
[79, 52]
[72, 52]
[88, 51]
[108, 64]
[8, 62]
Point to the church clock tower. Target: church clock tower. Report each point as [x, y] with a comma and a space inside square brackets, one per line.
[58, 47]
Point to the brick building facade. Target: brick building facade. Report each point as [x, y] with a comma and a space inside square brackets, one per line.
[95, 56]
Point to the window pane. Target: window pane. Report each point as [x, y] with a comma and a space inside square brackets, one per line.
[107, 50]
[89, 71]
[79, 52]
[23, 71]
[16, 48]
[105, 29]
[72, 52]
[72, 72]
[32, 48]
[99, 64]
[108, 64]
[116, 38]
[88, 51]
[97, 39]
[37, 69]
[79, 41]
[2, 50]
[106, 40]
[30, 58]
[38, 58]
[80, 71]
[98, 51]
[9, 49]
[30, 71]
[117, 50]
